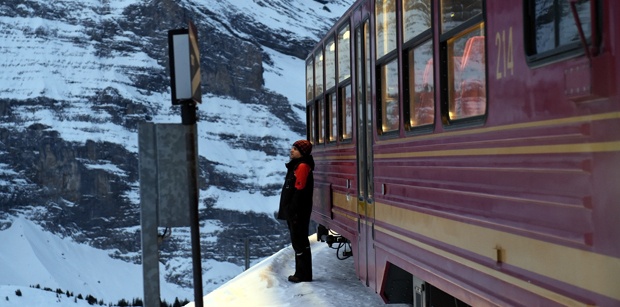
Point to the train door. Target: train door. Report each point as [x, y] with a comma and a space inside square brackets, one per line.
[365, 204]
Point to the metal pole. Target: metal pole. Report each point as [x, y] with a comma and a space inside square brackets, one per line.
[188, 113]
[148, 213]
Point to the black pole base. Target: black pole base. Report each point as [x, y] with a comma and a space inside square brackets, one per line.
[188, 113]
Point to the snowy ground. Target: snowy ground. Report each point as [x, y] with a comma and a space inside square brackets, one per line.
[265, 284]
[30, 256]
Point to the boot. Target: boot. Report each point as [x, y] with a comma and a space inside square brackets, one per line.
[303, 267]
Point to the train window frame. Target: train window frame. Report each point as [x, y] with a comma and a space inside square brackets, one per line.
[387, 57]
[386, 44]
[447, 78]
[328, 120]
[343, 54]
[414, 37]
[331, 118]
[319, 73]
[310, 120]
[330, 64]
[411, 94]
[344, 79]
[383, 70]
[559, 51]
[320, 121]
[345, 109]
[310, 80]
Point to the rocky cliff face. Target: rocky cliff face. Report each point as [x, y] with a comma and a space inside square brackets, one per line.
[77, 79]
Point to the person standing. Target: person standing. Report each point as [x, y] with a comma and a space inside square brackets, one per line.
[296, 206]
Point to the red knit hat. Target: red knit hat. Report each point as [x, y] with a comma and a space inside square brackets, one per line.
[304, 147]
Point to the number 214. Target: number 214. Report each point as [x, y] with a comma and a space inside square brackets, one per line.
[505, 50]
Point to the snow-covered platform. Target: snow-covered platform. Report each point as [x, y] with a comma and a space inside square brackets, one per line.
[265, 284]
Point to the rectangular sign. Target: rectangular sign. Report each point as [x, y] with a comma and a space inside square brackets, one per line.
[184, 58]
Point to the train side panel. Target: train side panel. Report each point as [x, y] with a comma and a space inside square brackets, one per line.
[520, 208]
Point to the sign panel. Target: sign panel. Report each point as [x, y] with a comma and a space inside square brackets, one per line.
[184, 58]
[166, 171]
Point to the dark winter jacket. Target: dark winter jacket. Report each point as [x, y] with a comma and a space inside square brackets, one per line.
[296, 204]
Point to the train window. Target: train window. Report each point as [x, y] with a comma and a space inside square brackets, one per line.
[388, 96]
[332, 118]
[418, 104]
[318, 73]
[346, 113]
[419, 80]
[344, 54]
[551, 28]
[330, 64]
[310, 120]
[385, 11]
[467, 74]
[321, 122]
[457, 12]
[416, 18]
[309, 81]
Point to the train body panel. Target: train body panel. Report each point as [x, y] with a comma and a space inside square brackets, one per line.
[476, 154]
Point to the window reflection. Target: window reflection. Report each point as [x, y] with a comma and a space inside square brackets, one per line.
[318, 73]
[385, 11]
[332, 118]
[310, 122]
[321, 122]
[390, 110]
[330, 64]
[455, 12]
[344, 54]
[416, 18]
[466, 65]
[309, 81]
[554, 23]
[346, 111]
[421, 85]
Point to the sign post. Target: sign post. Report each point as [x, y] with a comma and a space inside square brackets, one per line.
[185, 83]
[169, 191]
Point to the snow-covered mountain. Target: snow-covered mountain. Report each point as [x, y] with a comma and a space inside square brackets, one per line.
[78, 76]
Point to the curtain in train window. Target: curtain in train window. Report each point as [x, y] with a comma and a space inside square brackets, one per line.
[421, 85]
[416, 18]
[344, 54]
[309, 81]
[346, 113]
[466, 71]
[318, 73]
[385, 11]
[330, 64]
[390, 111]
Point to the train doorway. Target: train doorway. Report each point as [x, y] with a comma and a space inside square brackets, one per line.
[365, 203]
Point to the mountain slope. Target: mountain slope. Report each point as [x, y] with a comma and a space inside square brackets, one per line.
[79, 76]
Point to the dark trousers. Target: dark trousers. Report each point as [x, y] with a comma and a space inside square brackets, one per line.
[303, 256]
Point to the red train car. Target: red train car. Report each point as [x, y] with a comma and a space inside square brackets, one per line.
[470, 149]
